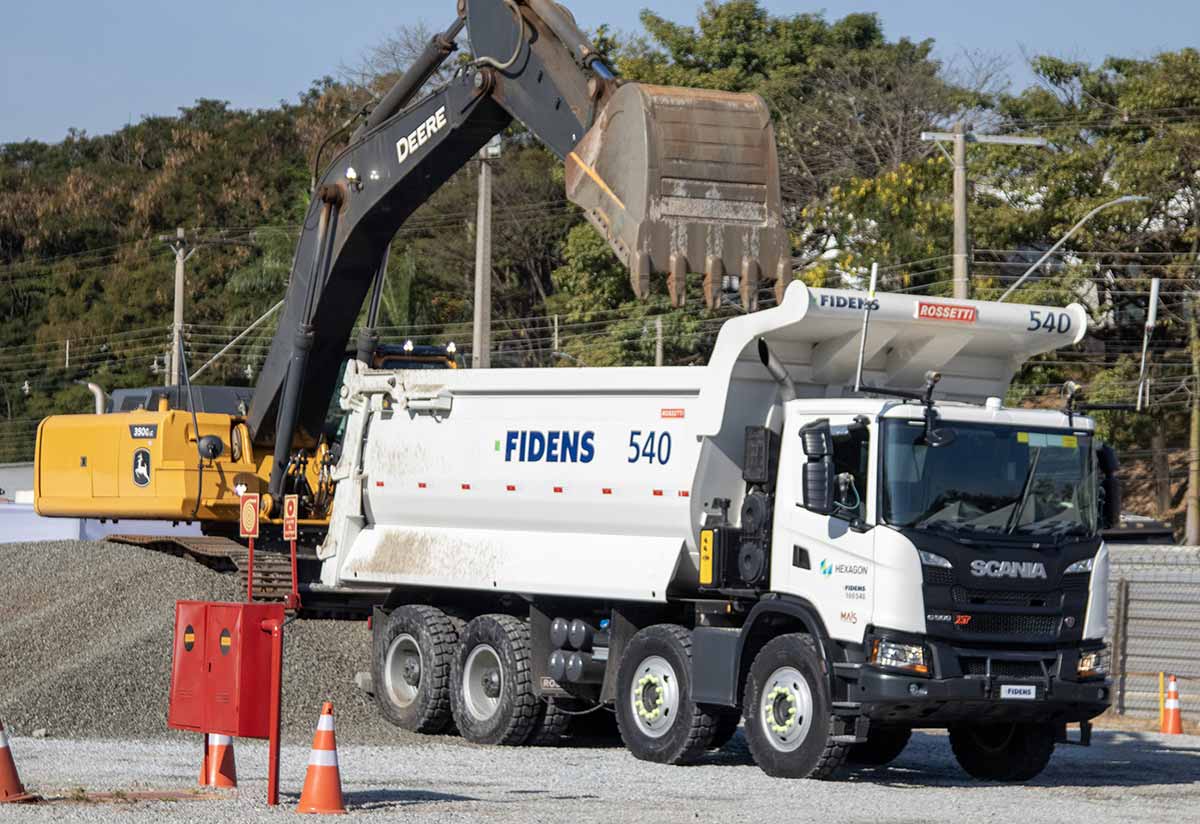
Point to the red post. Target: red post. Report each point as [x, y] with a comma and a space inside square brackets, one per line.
[276, 629]
[250, 577]
[294, 597]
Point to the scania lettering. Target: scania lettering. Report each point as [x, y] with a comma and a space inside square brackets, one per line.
[1008, 569]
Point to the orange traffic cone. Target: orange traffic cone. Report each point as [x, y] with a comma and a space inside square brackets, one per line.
[219, 768]
[11, 789]
[1172, 723]
[323, 783]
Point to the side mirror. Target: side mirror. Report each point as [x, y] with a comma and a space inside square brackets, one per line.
[211, 447]
[818, 479]
[1110, 488]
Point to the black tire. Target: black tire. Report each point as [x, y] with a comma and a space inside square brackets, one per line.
[415, 699]
[551, 725]
[883, 746]
[795, 746]
[497, 705]
[1003, 752]
[727, 726]
[659, 658]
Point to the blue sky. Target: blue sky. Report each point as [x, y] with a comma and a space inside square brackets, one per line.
[98, 64]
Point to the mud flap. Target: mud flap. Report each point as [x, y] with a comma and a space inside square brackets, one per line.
[685, 180]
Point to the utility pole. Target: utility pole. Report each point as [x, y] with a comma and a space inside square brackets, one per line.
[960, 137]
[1192, 527]
[184, 248]
[481, 344]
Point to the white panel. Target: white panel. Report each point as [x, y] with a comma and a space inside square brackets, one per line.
[592, 565]
[1095, 623]
[899, 604]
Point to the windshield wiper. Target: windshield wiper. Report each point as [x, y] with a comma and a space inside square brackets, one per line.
[1011, 524]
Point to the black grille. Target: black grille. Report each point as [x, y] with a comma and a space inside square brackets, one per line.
[1004, 598]
[994, 624]
[1002, 668]
[939, 576]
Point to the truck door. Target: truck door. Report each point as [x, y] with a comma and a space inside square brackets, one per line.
[829, 560]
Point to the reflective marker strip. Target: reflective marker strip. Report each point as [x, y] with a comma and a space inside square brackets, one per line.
[1172, 704]
[683, 493]
[606, 491]
[323, 758]
[466, 487]
[219, 740]
[558, 489]
[511, 488]
[658, 493]
[379, 483]
[420, 485]
[326, 723]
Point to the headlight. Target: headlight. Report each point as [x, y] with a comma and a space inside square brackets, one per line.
[909, 657]
[1094, 663]
[1080, 566]
[929, 559]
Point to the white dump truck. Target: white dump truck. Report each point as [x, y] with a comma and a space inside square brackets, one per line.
[692, 546]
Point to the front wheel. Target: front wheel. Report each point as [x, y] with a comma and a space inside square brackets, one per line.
[1003, 752]
[789, 719]
[657, 717]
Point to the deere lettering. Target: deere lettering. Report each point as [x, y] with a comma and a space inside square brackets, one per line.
[1008, 569]
[405, 146]
[551, 447]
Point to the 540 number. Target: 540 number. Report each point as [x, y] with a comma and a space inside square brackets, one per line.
[1048, 322]
[652, 447]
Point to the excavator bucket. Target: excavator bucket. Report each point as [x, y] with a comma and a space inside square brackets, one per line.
[685, 180]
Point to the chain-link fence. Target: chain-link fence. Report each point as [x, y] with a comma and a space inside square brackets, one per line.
[1154, 624]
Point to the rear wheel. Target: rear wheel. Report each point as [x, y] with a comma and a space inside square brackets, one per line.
[655, 712]
[412, 658]
[883, 746]
[1003, 752]
[492, 696]
[789, 720]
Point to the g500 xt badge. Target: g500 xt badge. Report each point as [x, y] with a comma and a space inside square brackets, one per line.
[141, 467]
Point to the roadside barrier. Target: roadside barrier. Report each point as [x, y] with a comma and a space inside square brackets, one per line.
[12, 791]
[322, 791]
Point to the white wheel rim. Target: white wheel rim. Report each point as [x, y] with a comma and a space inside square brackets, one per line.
[785, 709]
[654, 696]
[402, 670]
[483, 682]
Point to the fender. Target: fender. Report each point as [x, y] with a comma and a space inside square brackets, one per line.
[718, 652]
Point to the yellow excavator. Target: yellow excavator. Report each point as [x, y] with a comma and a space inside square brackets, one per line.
[677, 180]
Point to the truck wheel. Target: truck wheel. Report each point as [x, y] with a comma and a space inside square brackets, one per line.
[883, 746]
[492, 696]
[789, 720]
[1003, 752]
[552, 724]
[655, 713]
[413, 655]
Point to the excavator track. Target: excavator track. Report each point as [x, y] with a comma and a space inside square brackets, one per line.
[272, 571]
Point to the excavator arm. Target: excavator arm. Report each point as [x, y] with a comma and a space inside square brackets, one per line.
[676, 180]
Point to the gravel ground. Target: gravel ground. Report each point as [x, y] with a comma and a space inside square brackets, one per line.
[1123, 777]
[85, 645]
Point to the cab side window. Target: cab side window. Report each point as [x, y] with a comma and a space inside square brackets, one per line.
[851, 451]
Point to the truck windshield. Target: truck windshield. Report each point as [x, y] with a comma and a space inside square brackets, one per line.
[990, 480]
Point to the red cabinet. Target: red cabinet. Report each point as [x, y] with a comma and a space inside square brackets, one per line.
[221, 668]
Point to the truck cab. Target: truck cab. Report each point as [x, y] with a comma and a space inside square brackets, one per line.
[958, 558]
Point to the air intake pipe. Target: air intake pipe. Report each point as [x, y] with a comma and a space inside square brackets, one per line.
[787, 389]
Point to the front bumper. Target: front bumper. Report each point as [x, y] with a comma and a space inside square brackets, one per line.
[954, 695]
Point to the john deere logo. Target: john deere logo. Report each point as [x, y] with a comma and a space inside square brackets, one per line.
[826, 568]
[141, 467]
